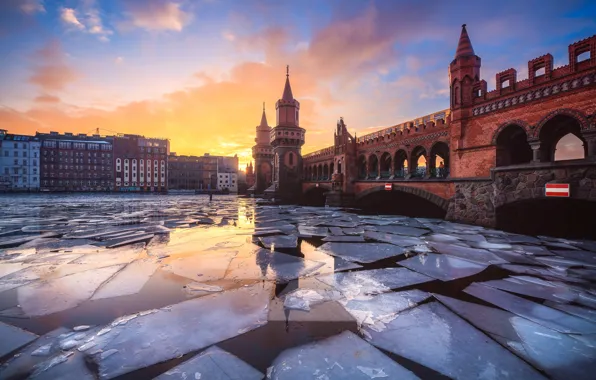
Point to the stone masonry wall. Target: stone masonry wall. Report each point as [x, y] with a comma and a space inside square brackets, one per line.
[473, 203]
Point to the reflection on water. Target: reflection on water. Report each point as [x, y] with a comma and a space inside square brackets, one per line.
[72, 260]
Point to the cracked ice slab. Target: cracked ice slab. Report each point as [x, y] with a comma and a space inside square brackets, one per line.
[433, 336]
[128, 281]
[374, 281]
[543, 315]
[343, 356]
[379, 310]
[52, 296]
[279, 241]
[550, 292]
[179, 329]
[442, 267]
[480, 256]
[362, 253]
[13, 338]
[213, 364]
[402, 241]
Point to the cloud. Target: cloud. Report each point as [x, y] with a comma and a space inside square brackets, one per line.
[86, 18]
[228, 36]
[32, 6]
[69, 17]
[118, 60]
[47, 99]
[51, 73]
[157, 15]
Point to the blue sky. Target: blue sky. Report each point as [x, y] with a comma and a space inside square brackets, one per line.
[184, 69]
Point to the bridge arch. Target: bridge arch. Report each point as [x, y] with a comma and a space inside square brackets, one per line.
[556, 126]
[418, 152]
[432, 198]
[314, 195]
[511, 141]
[575, 114]
[325, 172]
[400, 163]
[373, 166]
[439, 149]
[385, 165]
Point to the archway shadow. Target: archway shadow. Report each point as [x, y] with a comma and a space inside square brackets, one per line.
[399, 203]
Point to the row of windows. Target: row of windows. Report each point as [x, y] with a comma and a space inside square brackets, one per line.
[75, 154]
[76, 175]
[16, 171]
[75, 183]
[16, 154]
[78, 160]
[76, 145]
[24, 162]
[22, 180]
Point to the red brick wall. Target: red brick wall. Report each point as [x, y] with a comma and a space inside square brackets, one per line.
[444, 190]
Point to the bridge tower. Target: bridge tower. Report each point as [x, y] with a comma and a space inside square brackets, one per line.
[287, 139]
[464, 85]
[262, 153]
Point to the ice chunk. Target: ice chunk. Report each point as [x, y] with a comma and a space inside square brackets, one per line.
[270, 265]
[307, 231]
[13, 338]
[489, 245]
[515, 257]
[557, 354]
[52, 296]
[279, 241]
[543, 315]
[589, 314]
[383, 308]
[362, 253]
[403, 241]
[585, 256]
[128, 281]
[344, 238]
[402, 230]
[374, 281]
[343, 356]
[302, 299]
[336, 231]
[211, 266]
[433, 336]
[182, 328]
[480, 256]
[353, 231]
[561, 262]
[198, 287]
[213, 364]
[441, 238]
[442, 267]
[552, 292]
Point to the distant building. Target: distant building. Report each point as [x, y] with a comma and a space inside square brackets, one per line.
[75, 162]
[250, 175]
[19, 162]
[227, 181]
[185, 172]
[140, 163]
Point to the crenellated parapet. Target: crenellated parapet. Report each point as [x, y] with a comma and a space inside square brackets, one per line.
[543, 81]
[321, 154]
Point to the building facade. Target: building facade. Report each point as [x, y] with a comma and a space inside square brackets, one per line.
[250, 175]
[185, 172]
[140, 164]
[227, 182]
[75, 162]
[19, 162]
[262, 153]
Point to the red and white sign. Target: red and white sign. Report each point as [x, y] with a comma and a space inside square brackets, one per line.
[388, 187]
[557, 190]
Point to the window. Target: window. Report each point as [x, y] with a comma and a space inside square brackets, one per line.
[5, 153]
[505, 83]
[15, 153]
[291, 158]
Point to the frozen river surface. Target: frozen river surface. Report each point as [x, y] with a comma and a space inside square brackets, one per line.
[177, 287]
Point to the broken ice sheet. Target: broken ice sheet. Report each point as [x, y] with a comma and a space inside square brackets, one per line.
[343, 356]
[545, 292]
[52, 296]
[361, 252]
[207, 266]
[402, 230]
[543, 315]
[271, 265]
[442, 267]
[279, 241]
[13, 338]
[181, 328]
[559, 355]
[128, 281]
[360, 284]
[403, 241]
[344, 238]
[213, 364]
[383, 308]
[433, 336]
[480, 256]
[579, 311]
[198, 287]
[308, 231]
[303, 299]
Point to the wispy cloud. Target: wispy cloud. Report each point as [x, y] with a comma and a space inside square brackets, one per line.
[32, 6]
[157, 15]
[86, 18]
[51, 73]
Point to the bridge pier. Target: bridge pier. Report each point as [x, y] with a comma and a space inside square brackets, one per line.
[337, 198]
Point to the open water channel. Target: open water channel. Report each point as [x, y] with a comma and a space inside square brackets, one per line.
[177, 287]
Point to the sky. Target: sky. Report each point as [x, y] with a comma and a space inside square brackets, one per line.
[197, 72]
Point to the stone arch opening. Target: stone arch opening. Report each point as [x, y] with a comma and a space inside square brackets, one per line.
[401, 164]
[512, 146]
[418, 162]
[373, 166]
[557, 217]
[331, 167]
[553, 131]
[439, 160]
[402, 200]
[569, 147]
[385, 165]
[315, 196]
[362, 167]
[320, 172]
[325, 172]
[339, 166]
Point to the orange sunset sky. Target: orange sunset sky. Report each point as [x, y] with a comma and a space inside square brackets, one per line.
[197, 72]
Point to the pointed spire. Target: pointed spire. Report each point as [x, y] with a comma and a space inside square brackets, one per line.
[264, 118]
[287, 89]
[464, 47]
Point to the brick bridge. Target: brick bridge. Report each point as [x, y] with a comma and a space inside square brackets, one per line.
[489, 150]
